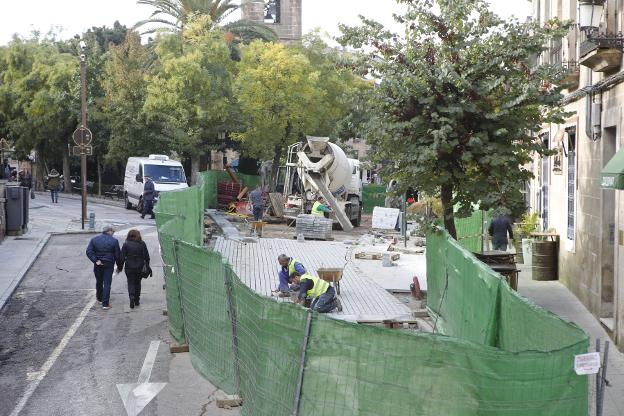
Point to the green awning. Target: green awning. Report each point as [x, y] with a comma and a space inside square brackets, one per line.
[612, 175]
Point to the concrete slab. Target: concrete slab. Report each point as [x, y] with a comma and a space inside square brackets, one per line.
[362, 298]
[398, 277]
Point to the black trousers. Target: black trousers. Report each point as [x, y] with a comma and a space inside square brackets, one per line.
[134, 283]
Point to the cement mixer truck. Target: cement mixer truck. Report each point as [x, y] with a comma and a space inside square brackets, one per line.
[320, 168]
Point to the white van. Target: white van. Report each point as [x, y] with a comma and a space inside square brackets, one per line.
[167, 175]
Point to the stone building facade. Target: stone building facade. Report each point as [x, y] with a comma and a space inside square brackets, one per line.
[566, 191]
[283, 16]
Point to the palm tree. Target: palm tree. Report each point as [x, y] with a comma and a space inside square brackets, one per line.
[174, 14]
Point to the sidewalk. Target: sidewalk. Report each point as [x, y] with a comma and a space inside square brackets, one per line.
[556, 298]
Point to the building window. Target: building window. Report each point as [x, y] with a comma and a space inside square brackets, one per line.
[571, 182]
[272, 11]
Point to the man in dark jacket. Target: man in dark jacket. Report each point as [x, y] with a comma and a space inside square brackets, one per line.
[104, 252]
[499, 227]
[148, 198]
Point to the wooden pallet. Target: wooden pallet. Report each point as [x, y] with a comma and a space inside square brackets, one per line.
[375, 256]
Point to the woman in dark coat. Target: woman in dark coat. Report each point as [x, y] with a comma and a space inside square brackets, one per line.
[134, 255]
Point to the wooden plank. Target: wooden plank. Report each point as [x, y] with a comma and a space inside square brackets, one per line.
[178, 349]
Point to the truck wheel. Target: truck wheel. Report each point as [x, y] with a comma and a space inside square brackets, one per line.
[128, 203]
[355, 219]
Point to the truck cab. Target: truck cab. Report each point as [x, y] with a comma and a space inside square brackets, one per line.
[167, 175]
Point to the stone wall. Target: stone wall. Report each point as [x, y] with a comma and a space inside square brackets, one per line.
[289, 29]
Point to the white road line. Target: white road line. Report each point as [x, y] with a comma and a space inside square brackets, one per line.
[27, 292]
[45, 368]
[148, 364]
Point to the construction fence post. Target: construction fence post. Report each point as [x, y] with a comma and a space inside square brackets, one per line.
[179, 284]
[304, 350]
[227, 280]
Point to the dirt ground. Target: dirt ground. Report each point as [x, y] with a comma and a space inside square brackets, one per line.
[276, 228]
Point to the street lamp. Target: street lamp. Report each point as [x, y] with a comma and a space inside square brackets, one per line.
[83, 123]
[590, 14]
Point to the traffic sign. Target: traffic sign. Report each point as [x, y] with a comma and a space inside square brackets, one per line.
[80, 150]
[82, 136]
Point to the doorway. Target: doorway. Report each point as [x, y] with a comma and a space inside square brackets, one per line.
[608, 237]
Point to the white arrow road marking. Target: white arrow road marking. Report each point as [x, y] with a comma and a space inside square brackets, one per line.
[135, 396]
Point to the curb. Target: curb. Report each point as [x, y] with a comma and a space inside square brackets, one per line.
[101, 201]
[4, 298]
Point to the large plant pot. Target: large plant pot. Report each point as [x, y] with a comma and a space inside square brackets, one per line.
[544, 260]
[527, 251]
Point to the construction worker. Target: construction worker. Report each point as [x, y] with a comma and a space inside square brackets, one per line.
[320, 208]
[289, 268]
[323, 294]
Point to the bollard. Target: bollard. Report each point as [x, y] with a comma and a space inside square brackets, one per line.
[92, 221]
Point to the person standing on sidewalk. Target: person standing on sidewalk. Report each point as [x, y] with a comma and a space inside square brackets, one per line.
[54, 183]
[499, 227]
[134, 255]
[148, 197]
[103, 251]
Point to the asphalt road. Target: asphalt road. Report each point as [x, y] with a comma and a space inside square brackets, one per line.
[61, 354]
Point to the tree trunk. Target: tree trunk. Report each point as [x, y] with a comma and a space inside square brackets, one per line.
[194, 169]
[275, 168]
[66, 172]
[39, 174]
[99, 174]
[446, 195]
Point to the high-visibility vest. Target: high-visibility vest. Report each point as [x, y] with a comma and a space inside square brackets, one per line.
[316, 209]
[291, 267]
[320, 286]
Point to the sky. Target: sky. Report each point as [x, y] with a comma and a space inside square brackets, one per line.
[69, 17]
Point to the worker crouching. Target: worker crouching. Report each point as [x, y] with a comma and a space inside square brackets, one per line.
[322, 294]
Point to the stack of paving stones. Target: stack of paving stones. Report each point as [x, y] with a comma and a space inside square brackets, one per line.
[314, 227]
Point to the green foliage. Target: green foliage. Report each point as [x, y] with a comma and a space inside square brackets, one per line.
[190, 92]
[279, 95]
[528, 224]
[125, 90]
[175, 14]
[458, 100]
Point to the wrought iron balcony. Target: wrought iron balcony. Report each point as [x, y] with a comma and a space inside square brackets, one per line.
[602, 53]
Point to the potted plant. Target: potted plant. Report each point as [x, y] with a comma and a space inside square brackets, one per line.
[522, 234]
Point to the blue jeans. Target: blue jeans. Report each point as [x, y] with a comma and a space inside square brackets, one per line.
[257, 213]
[103, 281]
[54, 195]
[326, 302]
[499, 246]
[148, 208]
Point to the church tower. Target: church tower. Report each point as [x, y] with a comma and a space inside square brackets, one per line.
[283, 16]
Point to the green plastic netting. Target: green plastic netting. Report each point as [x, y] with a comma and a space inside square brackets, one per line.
[495, 353]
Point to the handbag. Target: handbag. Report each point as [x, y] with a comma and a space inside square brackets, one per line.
[146, 270]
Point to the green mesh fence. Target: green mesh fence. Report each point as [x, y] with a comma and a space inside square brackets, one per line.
[470, 230]
[495, 353]
[373, 196]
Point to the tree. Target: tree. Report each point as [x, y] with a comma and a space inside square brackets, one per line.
[191, 93]
[175, 14]
[125, 81]
[458, 101]
[279, 97]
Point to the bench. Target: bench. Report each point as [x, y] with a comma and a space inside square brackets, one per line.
[116, 191]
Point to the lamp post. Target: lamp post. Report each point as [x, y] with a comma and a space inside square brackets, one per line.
[590, 14]
[83, 122]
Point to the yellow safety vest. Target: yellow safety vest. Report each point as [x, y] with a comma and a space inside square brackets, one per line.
[316, 209]
[320, 286]
[291, 267]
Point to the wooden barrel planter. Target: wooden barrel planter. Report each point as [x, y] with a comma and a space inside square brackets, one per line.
[545, 259]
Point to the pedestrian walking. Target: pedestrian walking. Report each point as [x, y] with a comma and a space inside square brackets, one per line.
[54, 184]
[103, 251]
[135, 257]
[257, 202]
[499, 227]
[148, 197]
